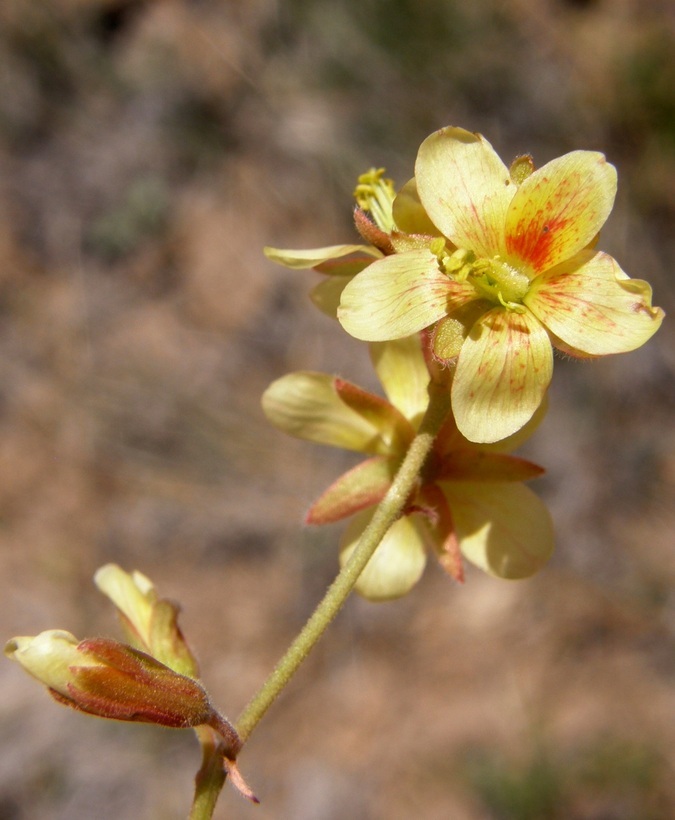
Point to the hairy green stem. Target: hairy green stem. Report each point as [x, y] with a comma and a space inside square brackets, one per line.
[211, 776]
[386, 514]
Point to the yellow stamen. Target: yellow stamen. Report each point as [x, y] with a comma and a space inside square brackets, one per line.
[375, 194]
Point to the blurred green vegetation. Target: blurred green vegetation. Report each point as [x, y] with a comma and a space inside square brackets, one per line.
[614, 778]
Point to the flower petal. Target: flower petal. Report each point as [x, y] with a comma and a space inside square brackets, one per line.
[505, 529]
[559, 209]
[49, 657]
[503, 370]
[465, 188]
[302, 259]
[409, 213]
[517, 439]
[403, 373]
[150, 623]
[307, 405]
[327, 294]
[398, 561]
[363, 486]
[395, 297]
[593, 306]
[449, 440]
[134, 596]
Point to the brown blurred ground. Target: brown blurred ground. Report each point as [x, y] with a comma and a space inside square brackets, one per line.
[148, 150]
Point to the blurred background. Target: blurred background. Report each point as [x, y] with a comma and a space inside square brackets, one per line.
[148, 150]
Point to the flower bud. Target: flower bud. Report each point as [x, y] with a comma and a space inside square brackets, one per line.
[521, 168]
[150, 622]
[49, 656]
[112, 680]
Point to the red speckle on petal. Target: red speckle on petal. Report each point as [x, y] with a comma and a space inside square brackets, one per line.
[532, 241]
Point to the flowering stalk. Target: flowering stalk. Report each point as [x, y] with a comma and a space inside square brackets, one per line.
[468, 278]
[210, 778]
[388, 511]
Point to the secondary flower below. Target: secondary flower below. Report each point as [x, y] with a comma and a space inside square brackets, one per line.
[469, 501]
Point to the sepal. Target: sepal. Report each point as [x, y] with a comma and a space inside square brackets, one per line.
[363, 486]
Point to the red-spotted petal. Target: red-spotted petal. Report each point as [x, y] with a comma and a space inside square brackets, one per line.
[559, 209]
[504, 529]
[465, 188]
[397, 296]
[503, 370]
[593, 307]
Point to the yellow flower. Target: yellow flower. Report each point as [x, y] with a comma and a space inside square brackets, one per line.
[388, 223]
[518, 276]
[469, 501]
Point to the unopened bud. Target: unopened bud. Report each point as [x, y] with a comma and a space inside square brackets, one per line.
[150, 622]
[521, 168]
[103, 677]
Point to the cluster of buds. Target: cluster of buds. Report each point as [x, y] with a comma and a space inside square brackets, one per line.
[468, 279]
[155, 680]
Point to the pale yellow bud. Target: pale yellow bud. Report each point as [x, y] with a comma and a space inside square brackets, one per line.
[49, 657]
[133, 594]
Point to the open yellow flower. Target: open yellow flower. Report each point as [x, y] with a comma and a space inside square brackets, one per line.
[470, 499]
[518, 277]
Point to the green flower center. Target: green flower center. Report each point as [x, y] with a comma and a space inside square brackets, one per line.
[500, 282]
[493, 279]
